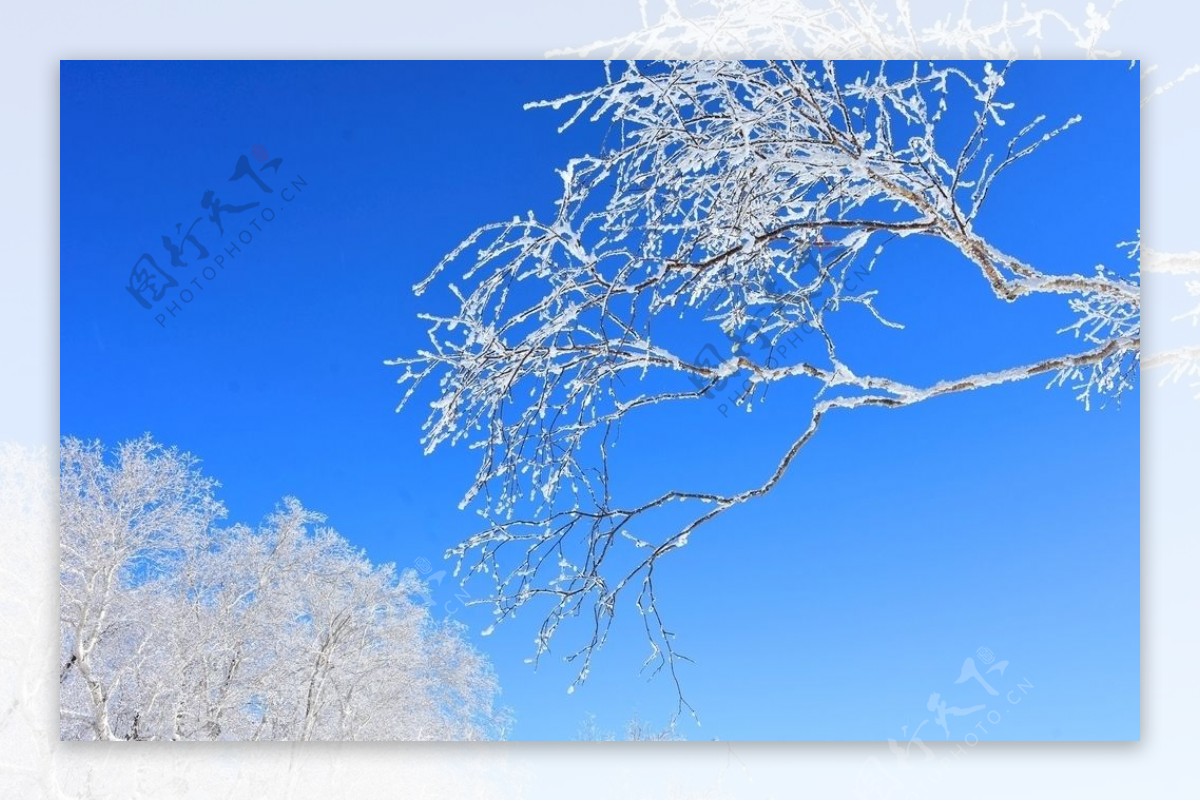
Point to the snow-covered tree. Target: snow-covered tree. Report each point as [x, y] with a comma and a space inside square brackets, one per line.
[175, 629]
[739, 196]
[122, 524]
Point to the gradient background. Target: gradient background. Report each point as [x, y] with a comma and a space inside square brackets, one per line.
[38, 765]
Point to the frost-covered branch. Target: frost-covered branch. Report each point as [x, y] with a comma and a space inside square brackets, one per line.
[1180, 362]
[848, 29]
[735, 198]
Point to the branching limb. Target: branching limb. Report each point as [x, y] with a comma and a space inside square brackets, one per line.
[737, 199]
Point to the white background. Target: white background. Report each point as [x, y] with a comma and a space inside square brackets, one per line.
[33, 37]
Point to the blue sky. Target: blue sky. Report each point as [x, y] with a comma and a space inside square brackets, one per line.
[901, 543]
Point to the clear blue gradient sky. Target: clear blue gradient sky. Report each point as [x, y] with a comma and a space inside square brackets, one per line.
[900, 543]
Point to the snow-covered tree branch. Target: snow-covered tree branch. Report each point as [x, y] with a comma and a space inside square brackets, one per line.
[1178, 361]
[173, 629]
[737, 198]
[838, 29]
[1181, 362]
